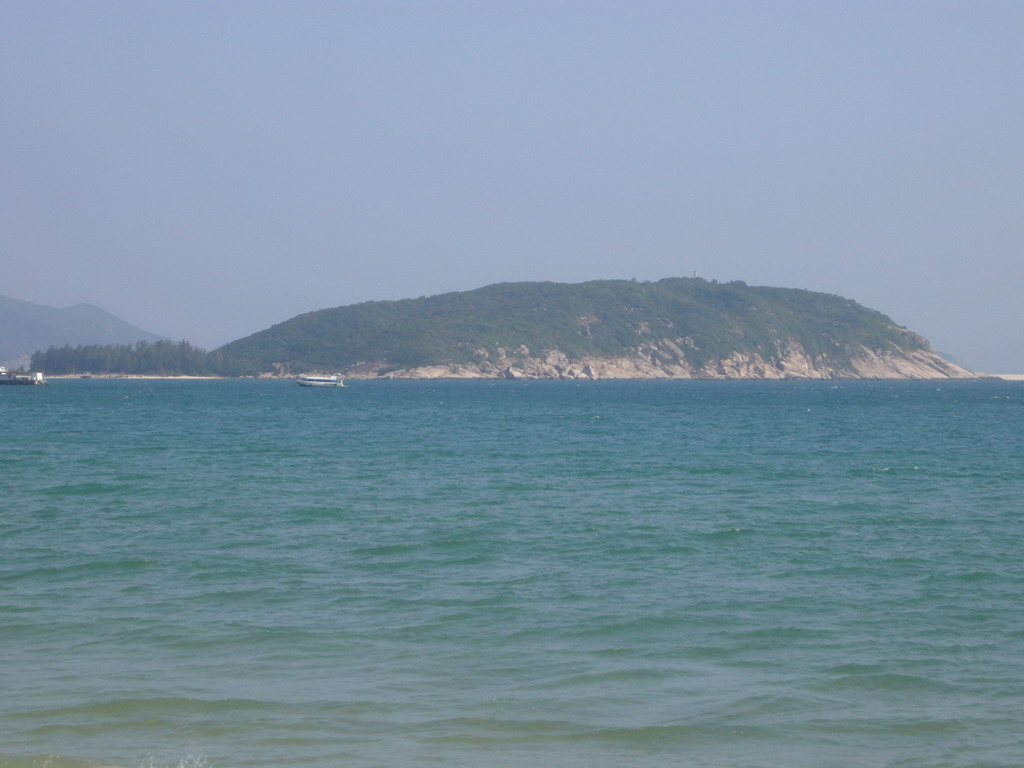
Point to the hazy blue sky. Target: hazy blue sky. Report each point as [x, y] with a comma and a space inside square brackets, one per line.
[207, 169]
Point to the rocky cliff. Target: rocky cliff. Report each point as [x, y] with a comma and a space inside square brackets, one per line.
[795, 363]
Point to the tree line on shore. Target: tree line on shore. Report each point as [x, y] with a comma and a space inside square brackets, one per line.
[160, 358]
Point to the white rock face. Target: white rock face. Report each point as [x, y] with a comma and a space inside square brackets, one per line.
[666, 359]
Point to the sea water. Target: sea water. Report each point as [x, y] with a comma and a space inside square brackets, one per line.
[410, 573]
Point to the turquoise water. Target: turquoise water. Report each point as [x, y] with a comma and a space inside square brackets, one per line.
[719, 574]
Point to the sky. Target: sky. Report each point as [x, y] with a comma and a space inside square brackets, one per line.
[206, 170]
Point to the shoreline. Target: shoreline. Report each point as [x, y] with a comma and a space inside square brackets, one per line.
[134, 376]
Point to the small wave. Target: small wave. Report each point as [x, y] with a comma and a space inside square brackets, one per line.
[921, 728]
[725, 533]
[48, 761]
[785, 633]
[888, 681]
[84, 489]
[603, 678]
[767, 706]
[965, 576]
[386, 550]
[854, 669]
[485, 731]
[83, 569]
[147, 708]
[189, 761]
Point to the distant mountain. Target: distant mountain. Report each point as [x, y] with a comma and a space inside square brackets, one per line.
[26, 328]
[673, 328]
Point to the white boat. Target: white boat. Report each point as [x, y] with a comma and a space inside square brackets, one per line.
[321, 381]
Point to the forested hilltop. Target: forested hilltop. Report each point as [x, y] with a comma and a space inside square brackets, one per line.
[673, 328]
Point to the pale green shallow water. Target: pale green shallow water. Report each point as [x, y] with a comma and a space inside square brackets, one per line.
[719, 574]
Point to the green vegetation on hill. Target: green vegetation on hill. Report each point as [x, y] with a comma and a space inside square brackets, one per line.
[601, 319]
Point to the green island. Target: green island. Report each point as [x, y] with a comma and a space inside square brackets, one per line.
[671, 328]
